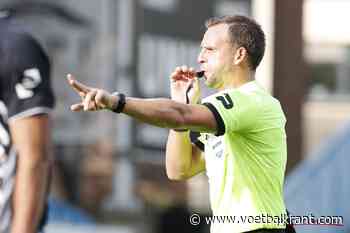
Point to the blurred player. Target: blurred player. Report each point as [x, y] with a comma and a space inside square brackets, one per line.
[240, 140]
[26, 99]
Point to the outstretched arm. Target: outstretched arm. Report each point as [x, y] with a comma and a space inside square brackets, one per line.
[161, 112]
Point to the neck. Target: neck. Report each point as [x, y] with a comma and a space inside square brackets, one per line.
[237, 78]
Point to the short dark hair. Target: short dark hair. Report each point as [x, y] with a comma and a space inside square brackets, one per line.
[244, 32]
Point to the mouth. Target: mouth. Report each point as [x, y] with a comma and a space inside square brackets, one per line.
[200, 74]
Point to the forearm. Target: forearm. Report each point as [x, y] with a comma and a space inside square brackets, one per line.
[30, 194]
[178, 155]
[163, 113]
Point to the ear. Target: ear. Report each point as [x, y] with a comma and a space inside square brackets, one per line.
[240, 55]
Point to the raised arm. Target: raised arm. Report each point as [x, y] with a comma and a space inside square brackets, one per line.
[183, 159]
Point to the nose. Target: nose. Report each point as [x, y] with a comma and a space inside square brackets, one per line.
[200, 58]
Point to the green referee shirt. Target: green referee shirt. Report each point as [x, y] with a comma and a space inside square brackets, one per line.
[246, 160]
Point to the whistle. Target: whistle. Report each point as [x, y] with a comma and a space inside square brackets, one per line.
[200, 74]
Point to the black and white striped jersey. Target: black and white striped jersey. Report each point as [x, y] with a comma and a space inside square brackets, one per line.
[24, 91]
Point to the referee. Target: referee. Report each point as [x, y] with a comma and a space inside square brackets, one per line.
[26, 99]
[236, 135]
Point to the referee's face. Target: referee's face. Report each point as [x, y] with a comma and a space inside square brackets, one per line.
[216, 56]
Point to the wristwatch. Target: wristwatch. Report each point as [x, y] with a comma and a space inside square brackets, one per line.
[121, 102]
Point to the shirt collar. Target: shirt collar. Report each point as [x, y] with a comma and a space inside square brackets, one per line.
[249, 86]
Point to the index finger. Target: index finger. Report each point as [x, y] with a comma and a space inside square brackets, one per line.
[77, 86]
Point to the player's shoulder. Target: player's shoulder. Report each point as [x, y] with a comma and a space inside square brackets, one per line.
[20, 50]
[255, 94]
[16, 37]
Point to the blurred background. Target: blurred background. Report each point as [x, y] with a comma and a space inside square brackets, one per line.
[109, 171]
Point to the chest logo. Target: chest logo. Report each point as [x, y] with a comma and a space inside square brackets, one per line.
[30, 80]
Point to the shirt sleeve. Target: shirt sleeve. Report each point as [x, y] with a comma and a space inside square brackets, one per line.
[233, 111]
[25, 78]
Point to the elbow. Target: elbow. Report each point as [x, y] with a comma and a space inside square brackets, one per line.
[40, 166]
[177, 176]
[175, 171]
[46, 163]
[35, 162]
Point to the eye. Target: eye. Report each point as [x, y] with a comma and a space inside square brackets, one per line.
[209, 48]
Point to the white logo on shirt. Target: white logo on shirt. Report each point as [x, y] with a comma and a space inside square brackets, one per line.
[4, 136]
[32, 79]
[216, 146]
